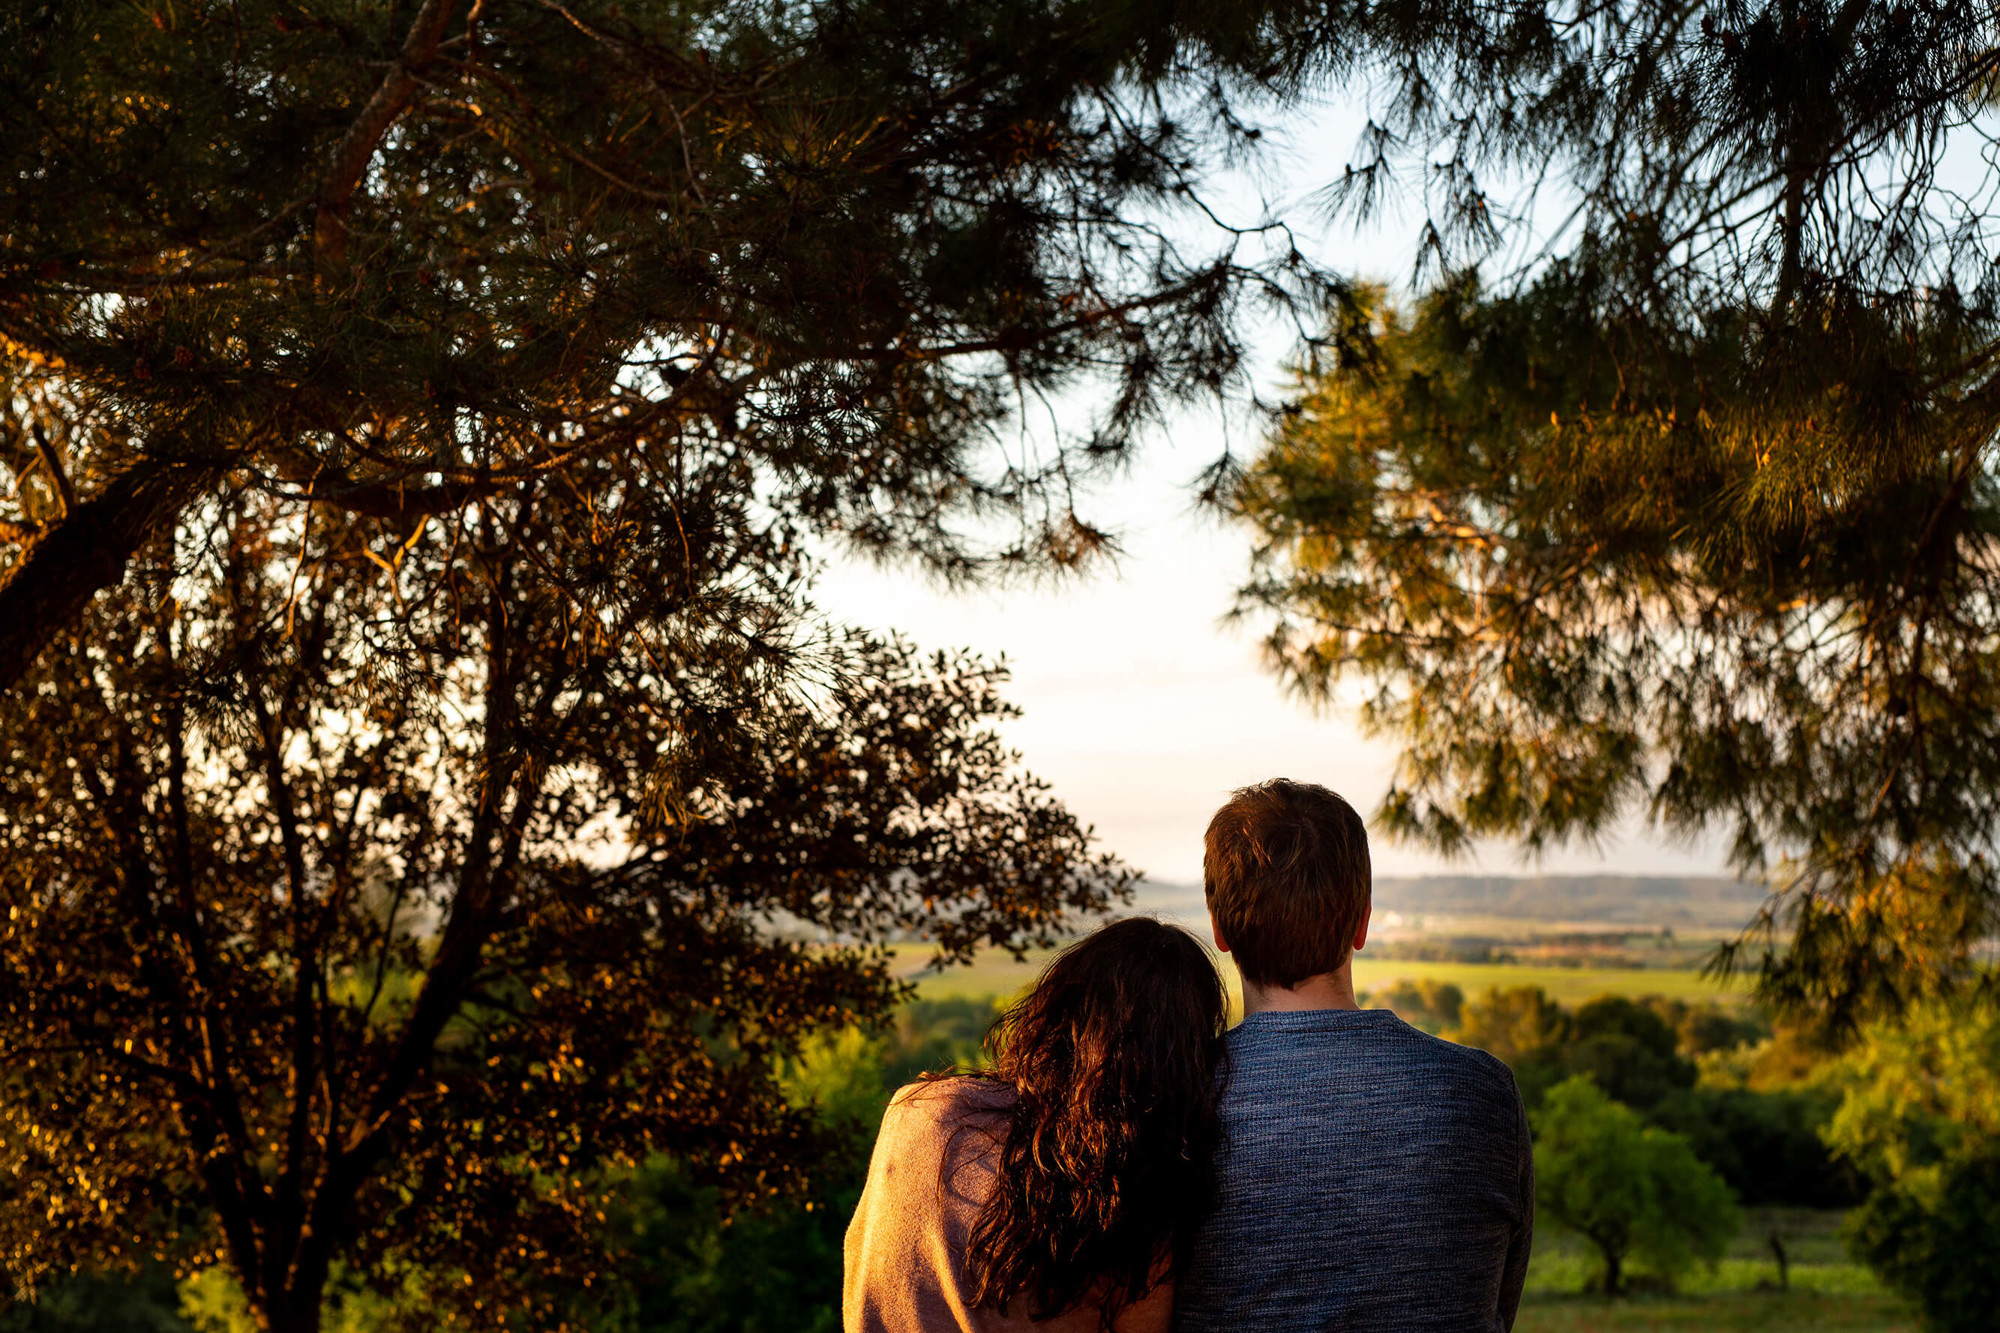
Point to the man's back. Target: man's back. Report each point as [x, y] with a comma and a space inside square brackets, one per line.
[1373, 1178]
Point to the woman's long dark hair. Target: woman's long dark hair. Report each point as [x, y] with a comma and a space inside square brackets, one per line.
[1105, 1170]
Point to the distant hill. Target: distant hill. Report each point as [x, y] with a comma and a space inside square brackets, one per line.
[1648, 900]
[1679, 901]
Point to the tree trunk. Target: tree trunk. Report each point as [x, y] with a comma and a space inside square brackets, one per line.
[294, 1310]
[85, 553]
[1614, 1269]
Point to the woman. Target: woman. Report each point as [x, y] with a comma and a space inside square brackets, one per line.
[1058, 1189]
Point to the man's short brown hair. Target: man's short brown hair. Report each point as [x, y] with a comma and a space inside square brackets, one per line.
[1287, 877]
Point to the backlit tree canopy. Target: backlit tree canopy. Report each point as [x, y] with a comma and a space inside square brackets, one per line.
[1694, 512]
[390, 256]
[368, 901]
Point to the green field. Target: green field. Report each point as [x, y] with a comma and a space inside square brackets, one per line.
[996, 974]
[1568, 985]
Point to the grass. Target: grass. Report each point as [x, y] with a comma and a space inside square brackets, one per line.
[1796, 1311]
[994, 973]
[1828, 1291]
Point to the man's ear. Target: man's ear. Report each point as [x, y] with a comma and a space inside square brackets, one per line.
[1361, 931]
[1221, 945]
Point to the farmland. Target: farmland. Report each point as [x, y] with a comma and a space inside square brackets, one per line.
[998, 975]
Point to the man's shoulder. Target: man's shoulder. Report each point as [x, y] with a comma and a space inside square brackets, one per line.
[1468, 1063]
[1391, 1050]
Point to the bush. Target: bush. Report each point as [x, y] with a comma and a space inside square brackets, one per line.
[1623, 1045]
[1920, 1116]
[1518, 1024]
[1938, 1246]
[1632, 1190]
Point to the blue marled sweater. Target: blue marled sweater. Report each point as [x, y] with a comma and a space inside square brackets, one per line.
[1373, 1179]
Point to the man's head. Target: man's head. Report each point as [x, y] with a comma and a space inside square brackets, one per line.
[1287, 876]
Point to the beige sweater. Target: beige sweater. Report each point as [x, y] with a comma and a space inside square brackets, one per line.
[932, 1171]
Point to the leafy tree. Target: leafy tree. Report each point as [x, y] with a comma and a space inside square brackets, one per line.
[1704, 1028]
[1628, 1188]
[689, 1266]
[371, 901]
[684, 1255]
[1920, 1118]
[1764, 1142]
[1513, 1024]
[1693, 514]
[390, 256]
[1627, 1050]
[1623, 1045]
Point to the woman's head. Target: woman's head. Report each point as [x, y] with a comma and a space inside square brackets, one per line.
[1106, 1166]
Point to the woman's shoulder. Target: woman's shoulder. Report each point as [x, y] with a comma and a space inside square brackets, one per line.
[948, 1102]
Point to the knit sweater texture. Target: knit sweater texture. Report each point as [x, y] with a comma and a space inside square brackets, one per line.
[1374, 1179]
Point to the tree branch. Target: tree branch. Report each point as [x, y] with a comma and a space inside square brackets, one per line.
[364, 136]
[52, 464]
[72, 561]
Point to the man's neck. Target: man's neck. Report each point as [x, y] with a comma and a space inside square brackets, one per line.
[1329, 990]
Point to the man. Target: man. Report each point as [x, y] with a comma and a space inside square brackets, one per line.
[1372, 1177]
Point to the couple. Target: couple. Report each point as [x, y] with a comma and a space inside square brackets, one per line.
[1124, 1166]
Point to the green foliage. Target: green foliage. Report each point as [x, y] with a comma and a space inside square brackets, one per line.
[1630, 1189]
[1513, 1024]
[403, 893]
[142, 1302]
[1585, 567]
[690, 1265]
[1764, 1142]
[1628, 1050]
[686, 1256]
[1935, 1241]
[1691, 514]
[212, 1301]
[1435, 1006]
[1766, 1146]
[1921, 1091]
[376, 255]
[846, 1076]
[1920, 1118]
[1623, 1045]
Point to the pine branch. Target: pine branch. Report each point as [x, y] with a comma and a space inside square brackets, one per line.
[358, 145]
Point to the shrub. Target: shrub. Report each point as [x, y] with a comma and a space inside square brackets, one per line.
[1921, 1119]
[1937, 1245]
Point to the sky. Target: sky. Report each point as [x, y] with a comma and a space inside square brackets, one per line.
[1143, 709]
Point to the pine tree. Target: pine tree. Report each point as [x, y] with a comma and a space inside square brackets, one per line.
[1692, 515]
[388, 257]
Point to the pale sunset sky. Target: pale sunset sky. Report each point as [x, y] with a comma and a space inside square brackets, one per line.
[1143, 709]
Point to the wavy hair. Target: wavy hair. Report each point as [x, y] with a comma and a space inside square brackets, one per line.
[1105, 1169]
